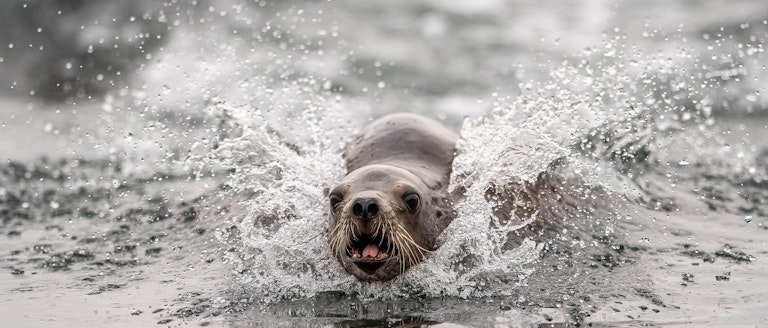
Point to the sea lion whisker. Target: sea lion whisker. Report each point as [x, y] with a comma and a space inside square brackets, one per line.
[340, 239]
[407, 249]
[336, 248]
[405, 246]
[378, 230]
[408, 238]
[397, 251]
[355, 231]
[403, 255]
[394, 244]
[389, 242]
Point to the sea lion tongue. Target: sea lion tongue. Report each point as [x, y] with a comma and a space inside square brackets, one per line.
[371, 251]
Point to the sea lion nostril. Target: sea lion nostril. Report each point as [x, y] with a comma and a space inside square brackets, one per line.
[373, 209]
[357, 210]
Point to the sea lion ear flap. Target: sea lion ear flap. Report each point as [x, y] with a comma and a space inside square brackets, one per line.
[326, 191]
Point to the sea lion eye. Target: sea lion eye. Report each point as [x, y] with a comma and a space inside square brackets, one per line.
[412, 201]
[335, 200]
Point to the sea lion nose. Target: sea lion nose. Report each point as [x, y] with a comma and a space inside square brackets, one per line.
[365, 208]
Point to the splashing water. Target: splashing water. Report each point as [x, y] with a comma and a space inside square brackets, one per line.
[589, 112]
[281, 236]
[280, 243]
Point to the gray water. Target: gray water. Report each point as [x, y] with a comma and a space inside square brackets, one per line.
[163, 163]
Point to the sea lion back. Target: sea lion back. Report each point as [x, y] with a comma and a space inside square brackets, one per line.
[415, 143]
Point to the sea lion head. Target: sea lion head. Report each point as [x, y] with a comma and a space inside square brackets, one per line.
[382, 222]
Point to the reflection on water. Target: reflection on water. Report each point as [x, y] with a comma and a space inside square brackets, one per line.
[167, 160]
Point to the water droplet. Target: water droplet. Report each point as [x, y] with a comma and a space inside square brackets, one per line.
[748, 219]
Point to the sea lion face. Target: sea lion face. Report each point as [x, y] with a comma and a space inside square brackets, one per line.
[380, 222]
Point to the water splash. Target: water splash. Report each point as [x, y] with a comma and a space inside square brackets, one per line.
[280, 242]
[609, 107]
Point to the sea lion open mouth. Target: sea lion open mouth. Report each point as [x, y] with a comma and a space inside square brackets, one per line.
[370, 253]
[370, 248]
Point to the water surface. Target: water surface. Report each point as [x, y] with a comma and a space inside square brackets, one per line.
[163, 163]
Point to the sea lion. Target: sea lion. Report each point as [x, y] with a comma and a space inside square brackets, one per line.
[393, 203]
